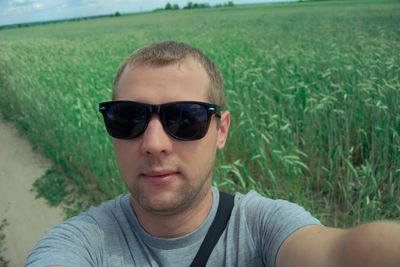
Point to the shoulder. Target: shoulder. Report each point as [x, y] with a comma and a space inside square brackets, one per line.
[78, 239]
[272, 212]
[270, 221]
[253, 202]
[97, 221]
[106, 211]
[97, 216]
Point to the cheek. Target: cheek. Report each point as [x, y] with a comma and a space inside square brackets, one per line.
[125, 154]
[199, 156]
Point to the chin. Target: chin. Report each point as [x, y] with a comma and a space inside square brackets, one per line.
[159, 201]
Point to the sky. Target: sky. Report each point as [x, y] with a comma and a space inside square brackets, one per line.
[20, 11]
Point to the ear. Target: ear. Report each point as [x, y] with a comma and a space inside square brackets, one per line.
[223, 130]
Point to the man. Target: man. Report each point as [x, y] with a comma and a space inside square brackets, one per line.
[167, 125]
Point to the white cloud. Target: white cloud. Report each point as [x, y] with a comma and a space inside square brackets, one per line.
[22, 6]
[21, 2]
[37, 5]
[17, 11]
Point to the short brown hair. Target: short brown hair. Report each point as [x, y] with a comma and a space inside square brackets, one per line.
[170, 52]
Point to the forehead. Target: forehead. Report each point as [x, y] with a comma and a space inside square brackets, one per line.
[185, 80]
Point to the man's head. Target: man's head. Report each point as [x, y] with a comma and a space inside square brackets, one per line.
[165, 174]
[169, 52]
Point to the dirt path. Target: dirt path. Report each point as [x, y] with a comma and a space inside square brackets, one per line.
[28, 218]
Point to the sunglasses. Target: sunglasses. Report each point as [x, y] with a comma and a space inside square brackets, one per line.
[184, 120]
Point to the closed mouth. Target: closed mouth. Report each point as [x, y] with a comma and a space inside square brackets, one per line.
[159, 177]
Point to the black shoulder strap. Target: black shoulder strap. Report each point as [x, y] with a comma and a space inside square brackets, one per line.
[217, 227]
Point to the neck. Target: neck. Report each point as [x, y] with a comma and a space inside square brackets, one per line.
[175, 225]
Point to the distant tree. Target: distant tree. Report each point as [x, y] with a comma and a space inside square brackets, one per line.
[175, 7]
[168, 6]
[189, 5]
[117, 14]
[228, 4]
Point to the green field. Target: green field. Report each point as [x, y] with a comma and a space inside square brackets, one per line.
[313, 89]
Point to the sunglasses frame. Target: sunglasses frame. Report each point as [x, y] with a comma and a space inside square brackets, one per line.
[152, 110]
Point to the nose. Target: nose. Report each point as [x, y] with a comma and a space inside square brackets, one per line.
[155, 140]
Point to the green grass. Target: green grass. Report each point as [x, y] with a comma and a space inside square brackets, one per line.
[313, 88]
[55, 188]
[3, 261]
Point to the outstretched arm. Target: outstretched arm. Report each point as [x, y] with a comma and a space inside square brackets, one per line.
[369, 245]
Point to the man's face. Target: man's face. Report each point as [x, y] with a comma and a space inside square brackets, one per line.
[164, 175]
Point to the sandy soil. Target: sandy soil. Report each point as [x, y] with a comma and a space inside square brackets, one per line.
[28, 218]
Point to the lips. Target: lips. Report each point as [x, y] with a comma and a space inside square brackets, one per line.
[159, 177]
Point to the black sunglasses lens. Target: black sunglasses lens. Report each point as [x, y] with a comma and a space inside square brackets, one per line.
[125, 119]
[186, 121]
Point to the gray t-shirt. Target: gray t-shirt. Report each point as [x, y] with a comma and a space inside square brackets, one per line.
[110, 235]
